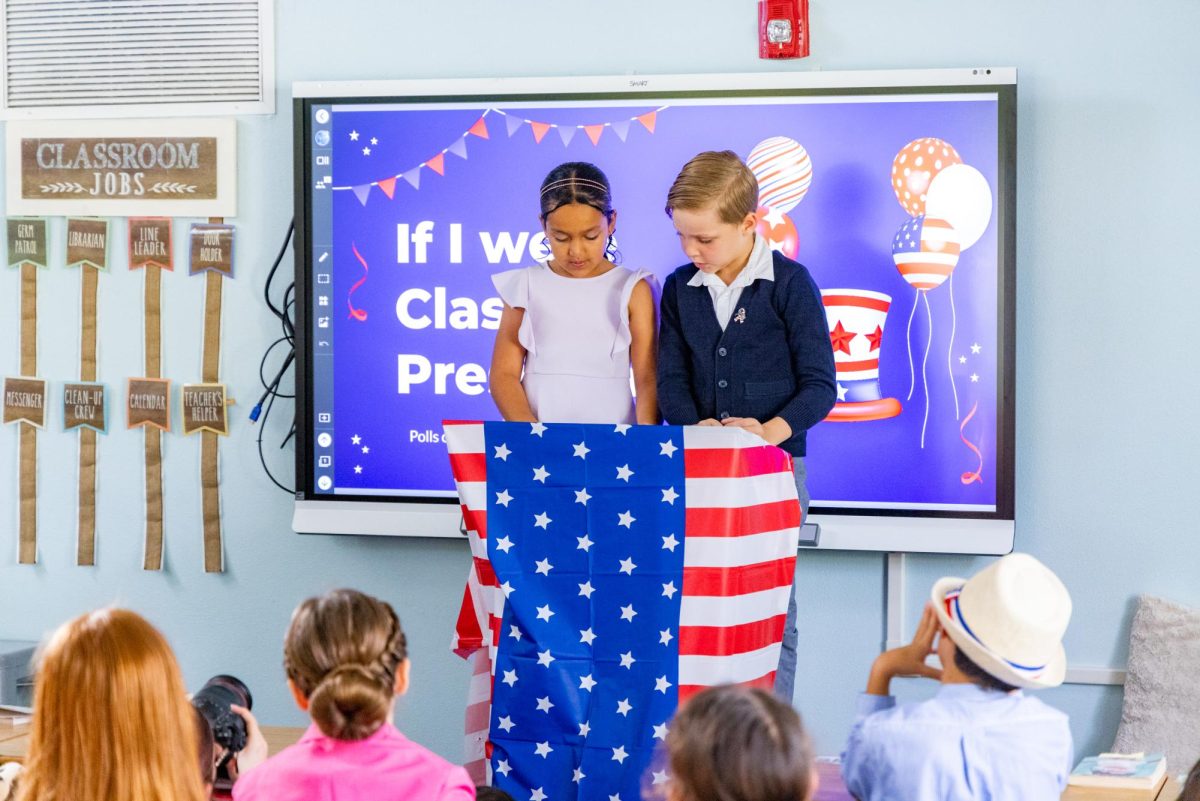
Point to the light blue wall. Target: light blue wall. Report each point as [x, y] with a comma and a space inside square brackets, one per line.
[1107, 329]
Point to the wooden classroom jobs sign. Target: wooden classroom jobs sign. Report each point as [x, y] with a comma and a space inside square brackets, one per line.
[25, 401]
[181, 168]
[85, 405]
[204, 409]
[148, 403]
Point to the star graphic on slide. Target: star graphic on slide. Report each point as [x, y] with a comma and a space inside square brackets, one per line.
[626, 519]
[976, 348]
[503, 498]
[875, 338]
[366, 151]
[355, 440]
[974, 378]
[774, 217]
[358, 468]
[587, 682]
[841, 392]
[840, 338]
[502, 452]
[581, 450]
[623, 473]
[962, 359]
[669, 495]
[541, 474]
[366, 449]
[374, 141]
[510, 677]
[354, 136]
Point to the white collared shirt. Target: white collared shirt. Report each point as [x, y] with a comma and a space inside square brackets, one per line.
[725, 296]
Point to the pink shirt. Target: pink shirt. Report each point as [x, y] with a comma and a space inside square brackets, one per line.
[385, 766]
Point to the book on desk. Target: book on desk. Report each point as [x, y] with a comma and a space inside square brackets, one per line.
[1138, 775]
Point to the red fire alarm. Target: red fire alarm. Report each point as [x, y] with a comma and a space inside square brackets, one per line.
[782, 28]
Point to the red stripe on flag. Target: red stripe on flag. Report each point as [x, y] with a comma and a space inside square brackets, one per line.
[734, 462]
[475, 521]
[487, 576]
[730, 640]
[738, 522]
[730, 581]
[857, 302]
[468, 466]
[766, 682]
[468, 636]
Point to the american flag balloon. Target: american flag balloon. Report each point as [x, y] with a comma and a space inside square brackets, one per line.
[925, 250]
[617, 570]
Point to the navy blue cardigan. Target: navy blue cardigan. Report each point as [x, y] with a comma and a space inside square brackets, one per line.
[776, 363]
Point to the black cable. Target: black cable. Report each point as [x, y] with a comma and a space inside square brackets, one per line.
[271, 275]
[260, 414]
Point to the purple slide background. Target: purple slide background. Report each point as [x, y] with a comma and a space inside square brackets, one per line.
[845, 223]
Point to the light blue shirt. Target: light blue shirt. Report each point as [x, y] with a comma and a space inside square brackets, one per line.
[964, 743]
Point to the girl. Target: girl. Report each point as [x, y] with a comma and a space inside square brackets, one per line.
[111, 717]
[574, 325]
[739, 744]
[346, 659]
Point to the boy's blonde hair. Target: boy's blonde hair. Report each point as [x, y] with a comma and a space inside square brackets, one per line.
[715, 178]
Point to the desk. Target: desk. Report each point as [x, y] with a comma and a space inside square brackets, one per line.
[831, 788]
[14, 742]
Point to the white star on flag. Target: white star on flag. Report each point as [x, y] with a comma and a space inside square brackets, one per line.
[542, 521]
[537, 429]
[537, 794]
[506, 723]
[626, 519]
[623, 707]
[545, 613]
[586, 589]
[507, 588]
[622, 428]
[544, 658]
[582, 450]
[667, 449]
[581, 496]
[660, 731]
[584, 729]
[670, 495]
[628, 613]
[587, 682]
[627, 566]
[503, 544]
[584, 543]
[579, 776]
[587, 636]
[619, 755]
[661, 684]
[514, 632]
[669, 589]
[541, 474]
[627, 660]
[502, 452]
[660, 776]
[623, 473]
[510, 677]
[502, 767]
[670, 543]
[543, 567]
[665, 637]
[544, 704]
[503, 498]
[543, 749]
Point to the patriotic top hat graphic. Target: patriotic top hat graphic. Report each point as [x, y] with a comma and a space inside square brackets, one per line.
[856, 319]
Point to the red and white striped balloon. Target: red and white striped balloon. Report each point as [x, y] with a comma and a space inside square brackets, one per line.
[783, 170]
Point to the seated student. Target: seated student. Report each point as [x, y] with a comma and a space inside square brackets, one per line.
[111, 719]
[346, 659]
[738, 744]
[980, 737]
[485, 792]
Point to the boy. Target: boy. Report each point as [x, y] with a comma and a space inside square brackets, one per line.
[979, 737]
[744, 339]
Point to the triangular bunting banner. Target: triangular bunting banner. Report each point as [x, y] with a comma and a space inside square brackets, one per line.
[539, 130]
[388, 186]
[459, 148]
[361, 193]
[479, 129]
[413, 176]
[648, 119]
[437, 164]
[567, 133]
[514, 123]
[594, 132]
[621, 128]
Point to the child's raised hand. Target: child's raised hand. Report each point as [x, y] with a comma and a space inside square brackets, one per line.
[907, 660]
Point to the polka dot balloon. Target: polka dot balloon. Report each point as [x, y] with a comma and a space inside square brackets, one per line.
[915, 167]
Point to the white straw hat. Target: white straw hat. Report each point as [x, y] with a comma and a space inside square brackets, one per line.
[1009, 618]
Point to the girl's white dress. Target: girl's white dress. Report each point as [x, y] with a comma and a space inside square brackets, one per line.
[575, 332]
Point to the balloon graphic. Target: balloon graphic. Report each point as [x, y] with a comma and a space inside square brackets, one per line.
[783, 170]
[960, 195]
[915, 167]
[925, 251]
[779, 231]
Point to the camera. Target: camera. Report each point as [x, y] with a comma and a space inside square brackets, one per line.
[213, 700]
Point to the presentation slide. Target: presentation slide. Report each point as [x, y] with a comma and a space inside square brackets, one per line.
[890, 201]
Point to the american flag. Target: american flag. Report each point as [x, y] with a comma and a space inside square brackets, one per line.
[926, 250]
[617, 571]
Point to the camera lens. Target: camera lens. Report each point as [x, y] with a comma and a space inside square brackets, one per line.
[213, 700]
